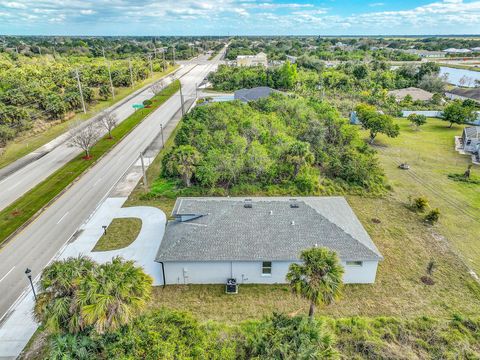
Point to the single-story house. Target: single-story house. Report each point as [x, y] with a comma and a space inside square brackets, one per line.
[212, 239]
[253, 60]
[292, 59]
[253, 94]
[457, 51]
[415, 93]
[471, 139]
[464, 93]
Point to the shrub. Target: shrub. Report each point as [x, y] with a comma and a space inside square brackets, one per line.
[419, 204]
[432, 216]
[147, 102]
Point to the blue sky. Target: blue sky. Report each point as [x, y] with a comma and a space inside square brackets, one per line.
[238, 17]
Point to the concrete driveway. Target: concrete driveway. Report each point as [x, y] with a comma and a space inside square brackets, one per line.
[142, 250]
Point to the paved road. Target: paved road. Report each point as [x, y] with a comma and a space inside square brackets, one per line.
[19, 177]
[38, 243]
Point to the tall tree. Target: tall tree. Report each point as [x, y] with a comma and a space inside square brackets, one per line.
[457, 113]
[318, 278]
[376, 122]
[183, 161]
[84, 137]
[298, 154]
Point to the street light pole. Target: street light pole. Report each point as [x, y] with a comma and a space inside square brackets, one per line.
[181, 100]
[28, 272]
[161, 132]
[144, 173]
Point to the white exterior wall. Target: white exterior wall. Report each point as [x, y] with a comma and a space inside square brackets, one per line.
[250, 272]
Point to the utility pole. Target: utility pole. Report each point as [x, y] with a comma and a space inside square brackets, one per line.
[163, 55]
[144, 173]
[131, 72]
[151, 65]
[173, 55]
[80, 89]
[181, 100]
[109, 73]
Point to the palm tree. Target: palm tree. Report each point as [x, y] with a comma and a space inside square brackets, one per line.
[183, 162]
[114, 294]
[78, 294]
[55, 306]
[299, 154]
[318, 279]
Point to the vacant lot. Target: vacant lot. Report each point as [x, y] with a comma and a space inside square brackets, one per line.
[431, 155]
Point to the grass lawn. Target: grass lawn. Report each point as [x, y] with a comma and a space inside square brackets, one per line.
[464, 67]
[28, 142]
[120, 233]
[19, 212]
[431, 155]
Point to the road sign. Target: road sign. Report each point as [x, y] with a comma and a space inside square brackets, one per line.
[138, 106]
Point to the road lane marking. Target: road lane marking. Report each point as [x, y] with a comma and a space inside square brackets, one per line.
[58, 222]
[96, 182]
[4, 276]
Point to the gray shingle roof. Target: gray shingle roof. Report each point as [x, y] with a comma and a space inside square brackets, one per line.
[270, 230]
[471, 93]
[472, 132]
[254, 93]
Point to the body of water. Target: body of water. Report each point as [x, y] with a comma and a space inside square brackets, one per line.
[460, 77]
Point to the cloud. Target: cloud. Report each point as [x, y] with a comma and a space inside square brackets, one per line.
[237, 16]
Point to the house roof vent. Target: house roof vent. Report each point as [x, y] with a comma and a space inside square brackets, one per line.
[293, 222]
[293, 203]
[248, 204]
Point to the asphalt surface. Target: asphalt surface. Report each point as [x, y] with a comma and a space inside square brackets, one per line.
[37, 244]
[22, 175]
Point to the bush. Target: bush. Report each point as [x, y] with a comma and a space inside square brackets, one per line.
[419, 204]
[433, 216]
[6, 133]
[283, 337]
[147, 102]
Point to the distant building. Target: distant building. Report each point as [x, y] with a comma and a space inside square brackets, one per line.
[426, 53]
[255, 240]
[292, 59]
[415, 93]
[456, 51]
[252, 60]
[475, 49]
[471, 139]
[253, 94]
[464, 93]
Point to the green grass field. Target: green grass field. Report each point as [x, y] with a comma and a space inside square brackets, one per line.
[120, 233]
[22, 210]
[431, 155]
[28, 142]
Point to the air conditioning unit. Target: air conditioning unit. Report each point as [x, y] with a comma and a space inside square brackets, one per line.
[231, 287]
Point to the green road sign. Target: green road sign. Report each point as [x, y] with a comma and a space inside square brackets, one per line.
[138, 106]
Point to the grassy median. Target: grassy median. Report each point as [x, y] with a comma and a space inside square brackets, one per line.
[24, 208]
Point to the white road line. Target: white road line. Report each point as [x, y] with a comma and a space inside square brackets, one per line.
[4, 276]
[58, 222]
[96, 182]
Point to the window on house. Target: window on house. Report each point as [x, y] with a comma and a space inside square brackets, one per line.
[267, 268]
[354, 263]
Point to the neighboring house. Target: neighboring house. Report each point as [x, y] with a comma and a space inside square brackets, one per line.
[255, 240]
[253, 94]
[469, 143]
[464, 93]
[426, 53]
[292, 59]
[456, 51]
[471, 139]
[252, 60]
[415, 93]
